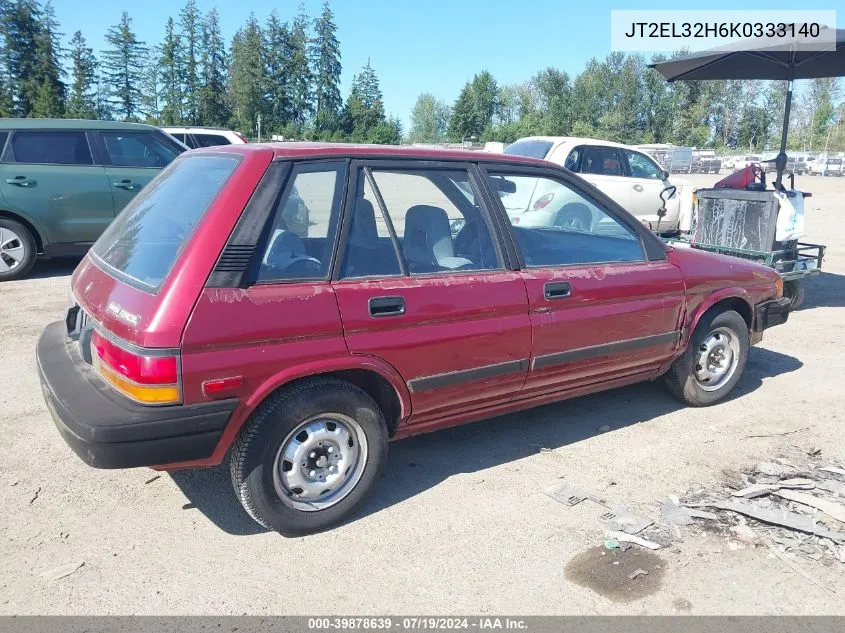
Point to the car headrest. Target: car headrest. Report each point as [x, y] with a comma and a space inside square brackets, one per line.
[428, 237]
[363, 230]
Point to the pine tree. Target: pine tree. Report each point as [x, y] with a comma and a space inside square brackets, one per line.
[151, 90]
[326, 69]
[364, 108]
[246, 76]
[190, 23]
[123, 67]
[22, 28]
[278, 79]
[464, 121]
[299, 70]
[172, 98]
[6, 101]
[82, 103]
[51, 92]
[212, 98]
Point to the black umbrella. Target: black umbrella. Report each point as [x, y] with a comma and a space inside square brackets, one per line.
[790, 59]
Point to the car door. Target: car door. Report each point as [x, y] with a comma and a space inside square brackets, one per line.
[133, 158]
[646, 182]
[424, 284]
[605, 303]
[49, 177]
[603, 166]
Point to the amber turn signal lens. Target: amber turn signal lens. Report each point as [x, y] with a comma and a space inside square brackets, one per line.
[778, 287]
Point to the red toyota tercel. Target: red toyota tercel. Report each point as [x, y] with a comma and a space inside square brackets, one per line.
[297, 306]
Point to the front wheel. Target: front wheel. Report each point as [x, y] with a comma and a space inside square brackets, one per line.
[308, 455]
[713, 362]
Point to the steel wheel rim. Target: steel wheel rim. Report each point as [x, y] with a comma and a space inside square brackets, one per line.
[716, 359]
[320, 462]
[12, 250]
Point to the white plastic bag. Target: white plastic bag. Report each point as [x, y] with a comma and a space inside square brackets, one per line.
[790, 224]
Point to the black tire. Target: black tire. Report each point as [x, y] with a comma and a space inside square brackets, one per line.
[255, 449]
[24, 263]
[681, 381]
[795, 291]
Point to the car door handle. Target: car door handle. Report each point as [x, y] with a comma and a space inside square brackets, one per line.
[21, 181]
[557, 290]
[637, 187]
[386, 306]
[126, 184]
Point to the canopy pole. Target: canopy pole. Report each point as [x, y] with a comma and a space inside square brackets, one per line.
[780, 161]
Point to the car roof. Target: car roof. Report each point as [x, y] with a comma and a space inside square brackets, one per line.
[576, 140]
[189, 128]
[70, 124]
[305, 149]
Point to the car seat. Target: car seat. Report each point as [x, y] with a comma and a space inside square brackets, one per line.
[428, 241]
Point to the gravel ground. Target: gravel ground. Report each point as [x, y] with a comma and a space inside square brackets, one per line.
[459, 524]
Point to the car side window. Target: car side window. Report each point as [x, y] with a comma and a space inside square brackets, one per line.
[304, 223]
[137, 149]
[51, 148]
[573, 159]
[642, 167]
[210, 140]
[601, 160]
[563, 227]
[438, 227]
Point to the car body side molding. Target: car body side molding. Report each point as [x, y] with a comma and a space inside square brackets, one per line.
[606, 349]
[465, 375]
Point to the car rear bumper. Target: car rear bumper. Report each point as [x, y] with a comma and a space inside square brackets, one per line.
[108, 431]
[772, 313]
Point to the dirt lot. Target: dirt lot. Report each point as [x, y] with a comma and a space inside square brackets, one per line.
[459, 524]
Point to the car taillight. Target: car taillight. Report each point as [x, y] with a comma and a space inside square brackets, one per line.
[542, 202]
[147, 378]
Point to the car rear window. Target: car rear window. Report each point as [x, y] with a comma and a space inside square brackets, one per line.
[531, 149]
[142, 244]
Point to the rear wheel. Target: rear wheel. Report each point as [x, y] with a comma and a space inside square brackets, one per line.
[17, 250]
[713, 362]
[309, 455]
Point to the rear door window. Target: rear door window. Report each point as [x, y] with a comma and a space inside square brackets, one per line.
[143, 243]
[139, 149]
[530, 148]
[51, 148]
[601, 160]
[210, 140]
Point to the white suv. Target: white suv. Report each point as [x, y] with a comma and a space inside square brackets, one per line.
[632, 178]
[195, 137]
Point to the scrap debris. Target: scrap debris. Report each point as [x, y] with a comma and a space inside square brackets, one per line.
[795, 510]
[620, 519]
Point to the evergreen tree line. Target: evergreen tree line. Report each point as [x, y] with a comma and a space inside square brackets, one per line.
[621, 99]
[284, 74]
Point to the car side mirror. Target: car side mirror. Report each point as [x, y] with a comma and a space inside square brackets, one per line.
[502, 185]
[664, 175]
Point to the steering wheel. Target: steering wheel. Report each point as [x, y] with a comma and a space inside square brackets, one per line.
[301, 266]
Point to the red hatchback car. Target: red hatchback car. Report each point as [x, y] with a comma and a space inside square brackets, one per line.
[201, 325]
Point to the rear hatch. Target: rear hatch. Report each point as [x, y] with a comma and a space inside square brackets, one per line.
[133, 293]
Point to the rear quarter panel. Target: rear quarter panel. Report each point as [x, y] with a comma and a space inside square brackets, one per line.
[710, 278]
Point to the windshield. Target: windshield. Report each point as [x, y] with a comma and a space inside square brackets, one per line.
[148, 235]
[529, 148]
[834, 161]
